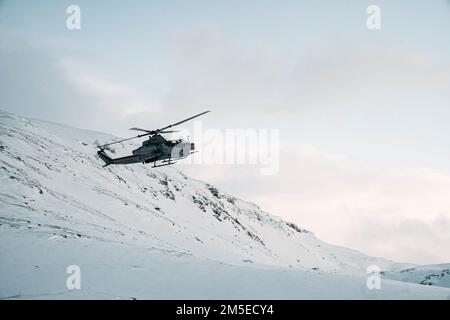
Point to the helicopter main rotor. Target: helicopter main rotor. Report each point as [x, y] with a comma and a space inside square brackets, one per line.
[153, 132]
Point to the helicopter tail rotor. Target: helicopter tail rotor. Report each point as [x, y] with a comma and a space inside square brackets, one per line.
[101, 153]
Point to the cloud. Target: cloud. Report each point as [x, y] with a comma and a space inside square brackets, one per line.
[386, 104]
[420, 241]
[378, 211]
[210, 69]
[110, 97]
[366, 96]
[51, 82]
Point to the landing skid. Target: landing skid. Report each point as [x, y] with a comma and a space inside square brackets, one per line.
[165, 163]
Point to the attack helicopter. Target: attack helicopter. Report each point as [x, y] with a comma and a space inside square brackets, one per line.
[155, 148]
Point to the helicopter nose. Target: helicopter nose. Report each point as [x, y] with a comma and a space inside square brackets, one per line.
[192, 146]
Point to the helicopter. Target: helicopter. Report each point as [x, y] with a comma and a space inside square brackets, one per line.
[156, 148]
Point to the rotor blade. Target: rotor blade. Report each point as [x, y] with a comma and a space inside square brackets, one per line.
[168, 131]
[153, 131]
[139, 129]
[118, 141]
[175, 124]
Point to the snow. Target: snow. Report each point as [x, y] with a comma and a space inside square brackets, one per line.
[140, 232]
[37, 265]
[431, 275]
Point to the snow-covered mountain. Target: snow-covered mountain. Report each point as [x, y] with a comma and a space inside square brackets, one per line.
[140, 232]
[430, 275]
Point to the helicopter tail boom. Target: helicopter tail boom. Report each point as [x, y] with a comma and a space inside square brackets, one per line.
[104, 157]
[122, 160]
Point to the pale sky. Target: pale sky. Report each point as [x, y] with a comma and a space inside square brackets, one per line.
[363, 115]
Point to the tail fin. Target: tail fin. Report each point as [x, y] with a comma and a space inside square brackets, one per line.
[101, 153]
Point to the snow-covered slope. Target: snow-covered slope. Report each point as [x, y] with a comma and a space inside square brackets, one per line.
[431, 275]
[59, 206]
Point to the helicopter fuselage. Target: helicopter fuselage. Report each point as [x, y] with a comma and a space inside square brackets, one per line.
[156, 148]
